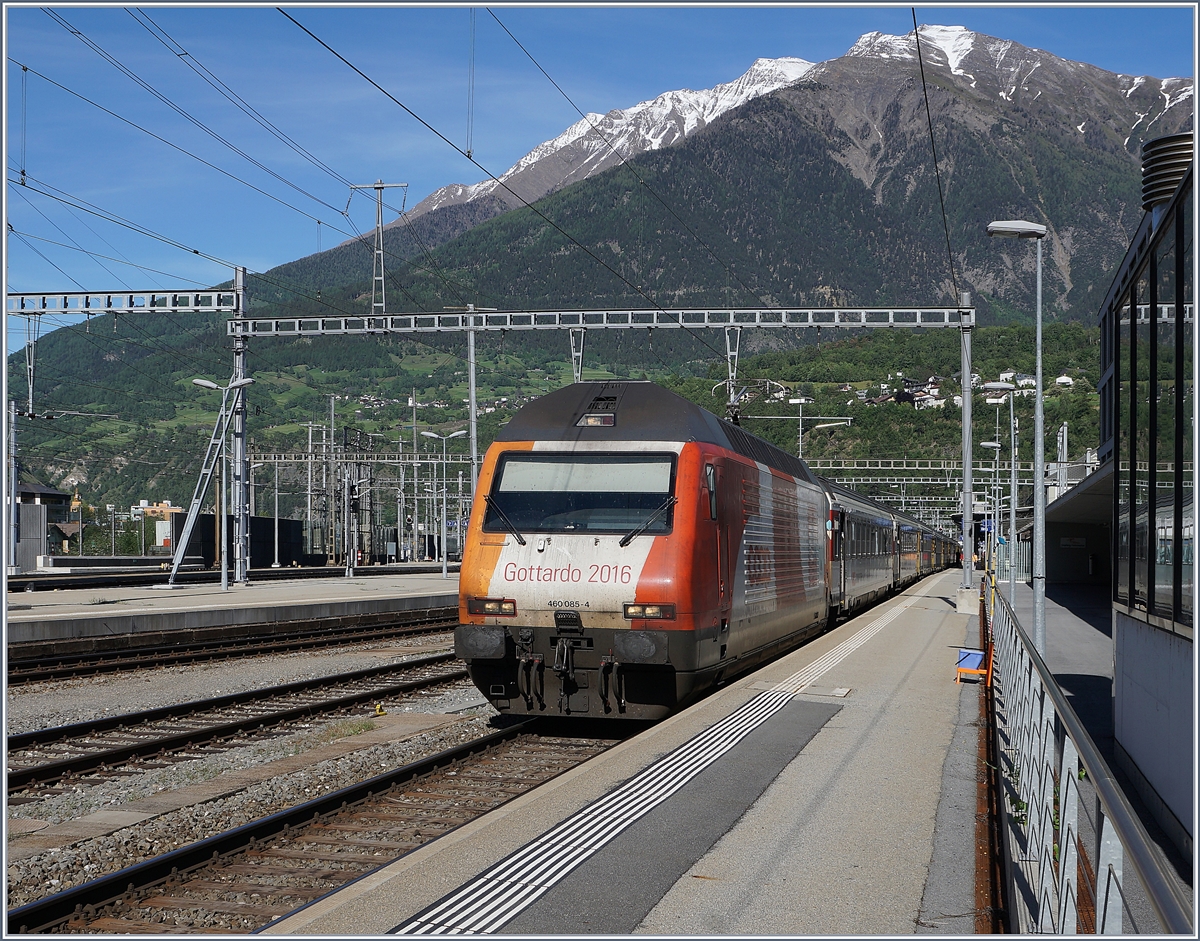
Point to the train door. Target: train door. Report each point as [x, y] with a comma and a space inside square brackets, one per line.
[837, 568]
[895, 554]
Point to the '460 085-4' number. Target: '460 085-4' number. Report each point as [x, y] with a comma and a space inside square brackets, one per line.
[610, 574]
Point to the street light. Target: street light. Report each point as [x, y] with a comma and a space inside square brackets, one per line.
[1016, 228]
[993, 446]
[445, 487]
[275, 564]
[1008, 389]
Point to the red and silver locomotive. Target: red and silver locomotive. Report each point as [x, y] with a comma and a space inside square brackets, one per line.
[632, 549]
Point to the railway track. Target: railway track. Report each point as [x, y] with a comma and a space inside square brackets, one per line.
[243, 879]
[48, 581]
[68, 666]
[40, 758]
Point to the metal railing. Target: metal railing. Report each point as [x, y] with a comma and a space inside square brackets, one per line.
[1020, 555]
[1068, 868]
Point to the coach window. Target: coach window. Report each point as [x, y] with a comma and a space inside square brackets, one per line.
[710, 476]
[1185, 525]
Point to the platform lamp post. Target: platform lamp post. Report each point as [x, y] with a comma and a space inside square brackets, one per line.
[1017, 228]
[445, 488]
[275, 564]
[1008, 389]
[993, 544]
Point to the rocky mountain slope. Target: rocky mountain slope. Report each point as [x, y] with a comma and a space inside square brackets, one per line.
[599, 141]
[1020, 132]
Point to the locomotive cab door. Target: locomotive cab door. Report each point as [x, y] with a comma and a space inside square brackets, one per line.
[718, 513]
[712, 475]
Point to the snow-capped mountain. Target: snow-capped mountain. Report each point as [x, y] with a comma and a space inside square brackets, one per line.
[1012, 66]
[821, 174]
[592, 144]
[994, 68]
[995, 82]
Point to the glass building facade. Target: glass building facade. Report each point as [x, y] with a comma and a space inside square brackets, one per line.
[1146, 414]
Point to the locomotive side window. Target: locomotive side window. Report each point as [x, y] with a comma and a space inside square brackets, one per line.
[710, 476]
[595, 493]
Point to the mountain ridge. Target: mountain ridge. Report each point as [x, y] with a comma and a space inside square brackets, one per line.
[591, 145]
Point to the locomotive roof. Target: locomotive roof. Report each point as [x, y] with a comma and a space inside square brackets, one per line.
[644, 412]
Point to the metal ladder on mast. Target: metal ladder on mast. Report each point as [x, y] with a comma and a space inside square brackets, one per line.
[216, 448]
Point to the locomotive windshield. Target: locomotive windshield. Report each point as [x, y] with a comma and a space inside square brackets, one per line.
[595, 493]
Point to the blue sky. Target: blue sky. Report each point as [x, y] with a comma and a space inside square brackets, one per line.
[604, 57]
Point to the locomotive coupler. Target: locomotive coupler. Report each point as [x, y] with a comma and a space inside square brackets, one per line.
[618, 685]
[564, 658]
[531, 682]
[606, 667]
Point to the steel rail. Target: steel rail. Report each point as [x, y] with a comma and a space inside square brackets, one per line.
[50, 581]
[55, 909]
[19, 778]
[1170, 906]
[88, 664]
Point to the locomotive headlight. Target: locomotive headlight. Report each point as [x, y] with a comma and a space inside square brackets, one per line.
[597, 421]
[497, 607]
[662, 612]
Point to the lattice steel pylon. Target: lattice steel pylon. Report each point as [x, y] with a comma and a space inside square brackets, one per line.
[378, 281]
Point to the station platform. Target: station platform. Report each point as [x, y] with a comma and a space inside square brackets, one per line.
[91, 613]
[831, 792]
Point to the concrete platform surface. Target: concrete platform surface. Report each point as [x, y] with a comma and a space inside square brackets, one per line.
[822, 819]
[34, 616]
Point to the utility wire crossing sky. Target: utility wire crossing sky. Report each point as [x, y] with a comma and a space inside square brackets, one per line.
[235, 135]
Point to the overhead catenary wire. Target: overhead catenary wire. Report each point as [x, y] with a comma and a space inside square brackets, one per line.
[240, 103]
[183, 150]
[142, 83]
[455, 287]
[442, 137]
[53, 192]
[24, 113]
[933, 147]
[16, 189]
[526, 203]
[625, 163]
[471, 90]
[158, 32]
[108, 216]
[33, 248]
[76, 248]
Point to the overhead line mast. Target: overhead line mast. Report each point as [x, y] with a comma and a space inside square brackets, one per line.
[378, 307]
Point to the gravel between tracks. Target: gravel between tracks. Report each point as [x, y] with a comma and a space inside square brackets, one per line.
[53, 703]
[61, 868]
[60, 702]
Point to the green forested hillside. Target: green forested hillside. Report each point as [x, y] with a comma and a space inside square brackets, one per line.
[820, 194]
[152, 449]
